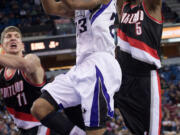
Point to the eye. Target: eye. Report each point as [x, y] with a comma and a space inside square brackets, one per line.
[8, 36]
[17, 36]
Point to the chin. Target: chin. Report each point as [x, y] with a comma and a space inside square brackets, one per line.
[14, 52]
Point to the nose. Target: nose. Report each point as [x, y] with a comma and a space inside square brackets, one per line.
[13, 38]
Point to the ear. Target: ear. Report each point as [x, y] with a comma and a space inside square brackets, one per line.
[23, 47]
[1, 49]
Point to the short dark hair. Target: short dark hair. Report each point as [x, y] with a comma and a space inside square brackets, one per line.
[10, 29]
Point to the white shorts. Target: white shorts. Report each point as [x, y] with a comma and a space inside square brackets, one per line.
[92, 83]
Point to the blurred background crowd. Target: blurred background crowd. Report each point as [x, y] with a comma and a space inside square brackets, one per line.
[29, 16]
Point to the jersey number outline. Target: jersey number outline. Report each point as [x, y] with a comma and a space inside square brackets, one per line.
[114, 18]
[138, 28]
[82, 25]
[21, 97]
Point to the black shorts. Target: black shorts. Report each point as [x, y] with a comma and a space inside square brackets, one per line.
[31, 131]
[139, 101]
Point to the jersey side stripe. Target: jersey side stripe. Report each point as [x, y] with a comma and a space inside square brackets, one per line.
[25, 124]
[138, 44]
[137, 53]
[21, 115]
[99, 93]
[155, 112]
[160, 111]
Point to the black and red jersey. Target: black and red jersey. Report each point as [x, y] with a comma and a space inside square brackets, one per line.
[139, 37]
[18, 94]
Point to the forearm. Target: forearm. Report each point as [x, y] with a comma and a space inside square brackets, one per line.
[12, 61]
[56, 8]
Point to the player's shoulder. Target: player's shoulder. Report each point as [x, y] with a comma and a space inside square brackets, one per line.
[32, 59]
[31, 56]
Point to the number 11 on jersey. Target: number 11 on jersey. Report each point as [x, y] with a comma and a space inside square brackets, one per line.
[21, 97]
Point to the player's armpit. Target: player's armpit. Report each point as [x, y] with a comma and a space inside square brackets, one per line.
[153, 9]
[152, 5]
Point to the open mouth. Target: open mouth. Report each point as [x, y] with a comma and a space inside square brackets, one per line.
[13, 45]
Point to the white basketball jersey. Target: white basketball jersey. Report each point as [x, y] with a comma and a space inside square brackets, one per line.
[94, 30]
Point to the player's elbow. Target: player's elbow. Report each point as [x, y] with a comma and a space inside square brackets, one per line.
[49, 11]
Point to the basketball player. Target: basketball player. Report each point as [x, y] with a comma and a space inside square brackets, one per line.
[20, 82]
[139, 37]
[96, 76]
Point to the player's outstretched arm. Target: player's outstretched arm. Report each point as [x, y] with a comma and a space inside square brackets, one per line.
[30, 64]
[13, 61]
[84, 4]
[57, 8]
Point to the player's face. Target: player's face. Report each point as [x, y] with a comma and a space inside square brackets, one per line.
[12, 43]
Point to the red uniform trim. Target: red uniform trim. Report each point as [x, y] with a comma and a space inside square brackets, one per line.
[21, 115]
[147, 13]
[48, 132]
[160, 112]
[9, 77]
[138, 44]
[30, 82]
[133, 6]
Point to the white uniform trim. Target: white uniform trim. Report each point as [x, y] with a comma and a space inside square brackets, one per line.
[155, 111]
[24, 124]
[42, 130]
[138, 53]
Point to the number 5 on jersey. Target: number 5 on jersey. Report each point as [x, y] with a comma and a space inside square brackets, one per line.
[138, 28]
